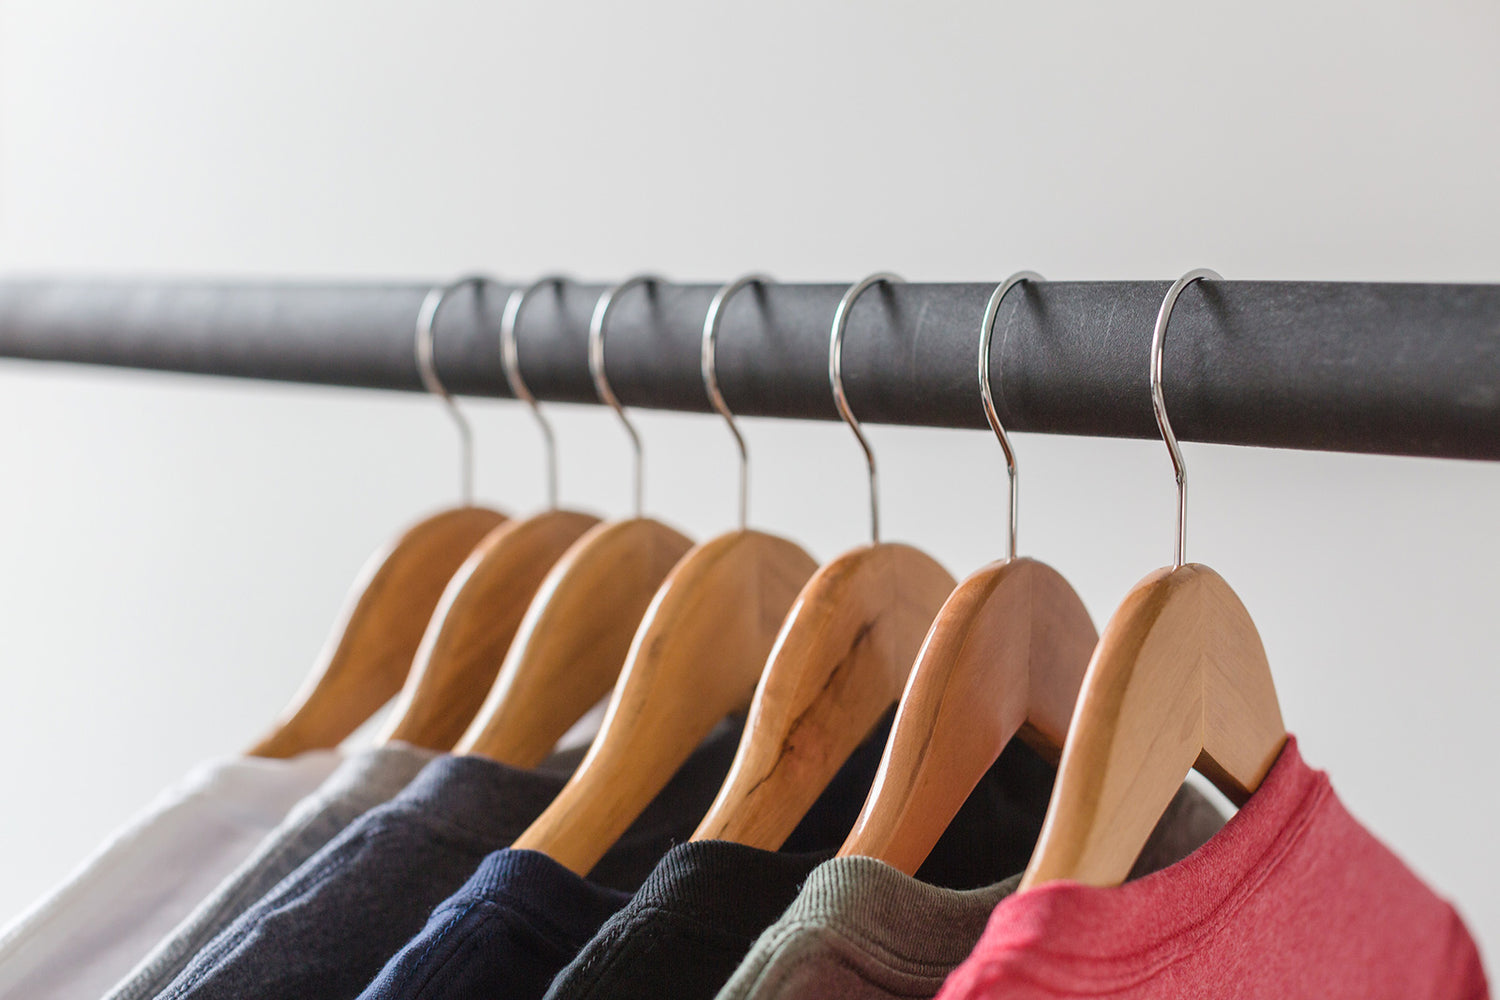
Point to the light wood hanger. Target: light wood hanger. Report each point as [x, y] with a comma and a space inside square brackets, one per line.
[695, 658]
[839, 663]
[478, 617]
[1005, 655]
[1179, 681]
[573, 641]
[369, 653]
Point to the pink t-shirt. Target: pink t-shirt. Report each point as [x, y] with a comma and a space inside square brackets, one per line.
[1292, 899]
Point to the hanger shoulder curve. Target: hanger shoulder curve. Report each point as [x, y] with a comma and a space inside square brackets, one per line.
[695, 659]
[1180, 679]
[472, 628]
[573, 639]
[839, 663]
[369, 652]
[1006, 655]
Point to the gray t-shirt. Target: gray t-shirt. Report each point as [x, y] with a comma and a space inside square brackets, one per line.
[861, 930]
[362, 782]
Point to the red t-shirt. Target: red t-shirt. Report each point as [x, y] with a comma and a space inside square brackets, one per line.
[1293, 898]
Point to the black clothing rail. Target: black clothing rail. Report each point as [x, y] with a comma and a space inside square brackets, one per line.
[1403, 369]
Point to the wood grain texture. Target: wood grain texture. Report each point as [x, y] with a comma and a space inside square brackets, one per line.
[573, 640]
[473, 625]
[1179, 679]
[840, 661]
[1006, 654]
[369, 653]
[696, 658]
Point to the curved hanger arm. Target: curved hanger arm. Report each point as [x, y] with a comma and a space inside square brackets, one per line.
[1005, 655]
[573, 640]
[370, 650]
[695, 659]
[1179, 680]
[473, 625]
[840, 662]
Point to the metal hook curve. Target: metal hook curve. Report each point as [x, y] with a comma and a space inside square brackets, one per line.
[1159, 400]
[709, 367]
[427, 372]
[986, 337]
[836, 380]
[601, 380]
[510, 361]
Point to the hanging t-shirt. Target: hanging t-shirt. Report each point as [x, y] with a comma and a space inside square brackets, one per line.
[862, 930]
[518, 919]
[521, 916]
[365, 780]
[695, 918]
[327, 929]
[1293, 899]
[87, 933]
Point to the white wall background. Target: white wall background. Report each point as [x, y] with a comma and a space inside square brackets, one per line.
[174, 549]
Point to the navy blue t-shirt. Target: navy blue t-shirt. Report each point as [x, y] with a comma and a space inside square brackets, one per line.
[519, 918]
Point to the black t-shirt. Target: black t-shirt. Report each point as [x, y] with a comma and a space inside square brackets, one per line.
[692, 922]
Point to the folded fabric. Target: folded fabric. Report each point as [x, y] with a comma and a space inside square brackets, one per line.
[1292, 899]
[327, 928]
[521, 917]
[862, 930]
[365, 780]
[692, 922]
[81, 938]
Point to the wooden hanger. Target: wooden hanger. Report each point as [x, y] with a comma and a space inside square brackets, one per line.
[480, 612]
[1005, 655]
[695, 658]
[370, 651]
[574, 638]
[840, 661]
[1179, 681]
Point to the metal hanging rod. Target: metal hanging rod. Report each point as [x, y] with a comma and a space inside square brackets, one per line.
[1402, 369]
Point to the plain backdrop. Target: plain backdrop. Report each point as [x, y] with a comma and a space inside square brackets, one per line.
[173, 549]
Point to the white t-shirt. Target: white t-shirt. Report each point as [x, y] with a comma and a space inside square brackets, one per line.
[77, 941]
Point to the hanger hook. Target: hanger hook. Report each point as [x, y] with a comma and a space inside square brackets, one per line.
[427, 371]
[709, 366]
[601, 380]
[510, 360]
[836, 379]
[986, 336]
[1159, 399]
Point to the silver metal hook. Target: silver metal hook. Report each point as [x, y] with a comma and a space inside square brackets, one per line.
[709, 367]
[986, 336]
[427, 371]
[1159, 400]
[510, 360]
[836, 379]
[601, 381]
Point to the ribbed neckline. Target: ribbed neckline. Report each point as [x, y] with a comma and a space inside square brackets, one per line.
[1085, 921]
[530, 883]
[734, 888]
[869, 901]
